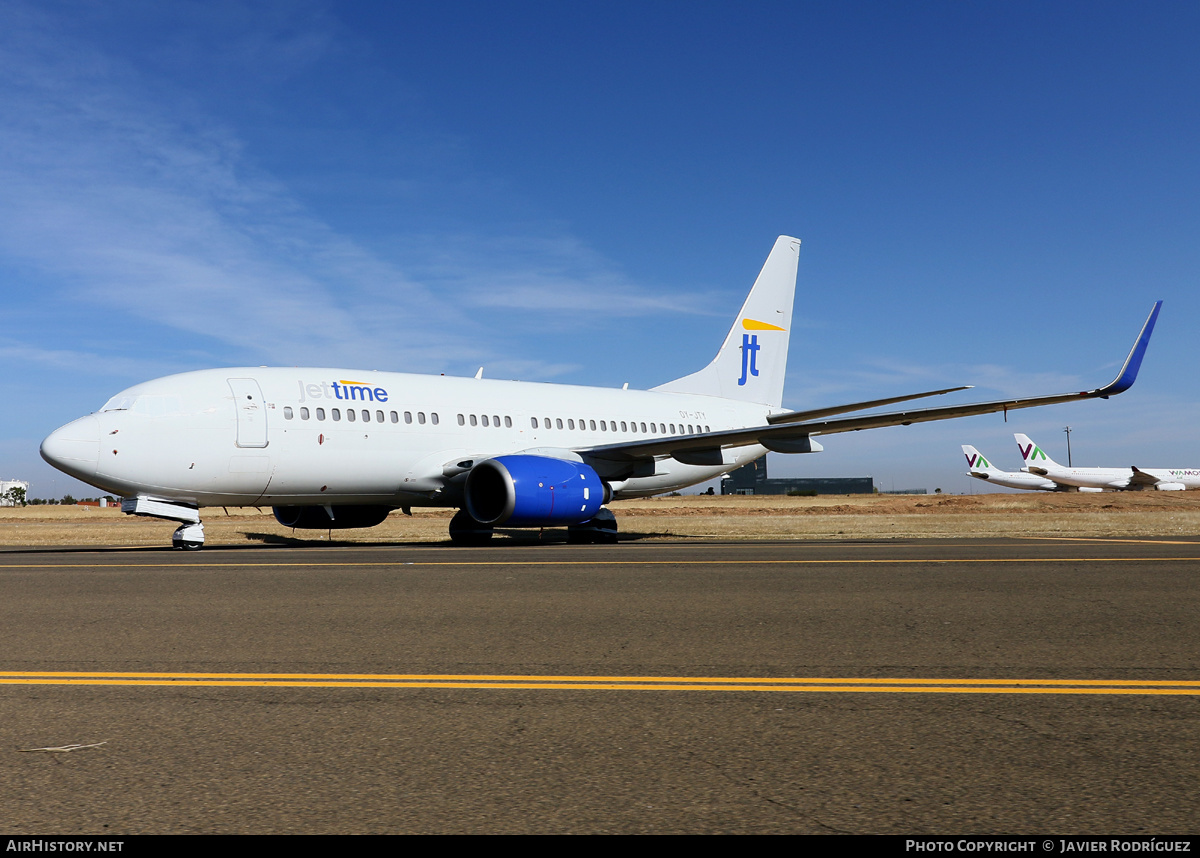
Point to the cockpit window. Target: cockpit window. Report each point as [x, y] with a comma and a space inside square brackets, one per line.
[150, 404]
[120, 402]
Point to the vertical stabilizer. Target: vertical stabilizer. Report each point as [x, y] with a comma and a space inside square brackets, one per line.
[752, 362]
[1032, 454]
[976, 460]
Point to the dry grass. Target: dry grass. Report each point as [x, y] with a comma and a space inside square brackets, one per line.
[1142, 514]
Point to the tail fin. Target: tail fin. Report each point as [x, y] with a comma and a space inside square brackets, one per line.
[752, 362]
[976, 461]
[1031, 453]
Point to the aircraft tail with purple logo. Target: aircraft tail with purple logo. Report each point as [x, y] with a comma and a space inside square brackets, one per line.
[752, 362]
[976, 462]
[1035, 458]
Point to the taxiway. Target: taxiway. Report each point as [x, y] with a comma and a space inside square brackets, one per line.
[873, 686]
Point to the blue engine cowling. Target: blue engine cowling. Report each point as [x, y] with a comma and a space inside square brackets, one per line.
[533, 491]
[318, 518]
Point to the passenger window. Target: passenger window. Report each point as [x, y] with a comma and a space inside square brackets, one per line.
[395, 417]
[320, 413]
[592, 425]
[558, 422]
[643, 427]
[421, 417]
[507, 422]
[408, 417]
[484, 419]
[287, 412]
[303, 413]
[366, 416]
[378, 416]
[624, 428]
[533, 422]
[462, 421]
[496, 420]
[336, 413]
[474, 420]
[349, 415]
[570, 423]
[433, 418]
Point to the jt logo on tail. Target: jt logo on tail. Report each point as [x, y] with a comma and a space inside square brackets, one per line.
[750, 349]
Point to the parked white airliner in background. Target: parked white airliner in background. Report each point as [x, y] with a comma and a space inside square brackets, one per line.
[333, 448]
[982, 469]
[1038, 464]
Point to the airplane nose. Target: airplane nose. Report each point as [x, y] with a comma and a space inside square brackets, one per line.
[74, 448]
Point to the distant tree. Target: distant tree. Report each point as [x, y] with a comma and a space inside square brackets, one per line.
[15, 496]
[67, 500]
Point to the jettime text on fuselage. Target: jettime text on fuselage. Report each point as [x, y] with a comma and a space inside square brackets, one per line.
[345, 390]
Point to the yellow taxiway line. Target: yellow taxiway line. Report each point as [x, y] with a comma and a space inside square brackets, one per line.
[908, 685]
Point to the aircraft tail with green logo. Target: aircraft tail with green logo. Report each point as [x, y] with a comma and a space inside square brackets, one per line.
[982, 469]
[976, 462]
[1035, 458]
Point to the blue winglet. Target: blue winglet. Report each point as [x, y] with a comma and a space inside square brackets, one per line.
[1128, 374]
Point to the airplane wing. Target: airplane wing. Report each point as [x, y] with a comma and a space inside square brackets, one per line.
[795, 435]
[1141, 478]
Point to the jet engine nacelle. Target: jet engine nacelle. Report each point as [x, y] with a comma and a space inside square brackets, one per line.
[1170, 487]
[533, 491]
[330, 518]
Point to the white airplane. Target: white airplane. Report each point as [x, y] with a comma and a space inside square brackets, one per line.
[1037, 463]
[338, 448]
[982, 469]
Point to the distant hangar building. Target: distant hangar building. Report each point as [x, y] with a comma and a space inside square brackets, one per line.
[752, 479]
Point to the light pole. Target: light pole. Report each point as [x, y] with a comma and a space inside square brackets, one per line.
[1068, 431]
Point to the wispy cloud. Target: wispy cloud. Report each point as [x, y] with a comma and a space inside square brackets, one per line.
[15, 353]
[551, 274]
[140, 205]
[876, 377]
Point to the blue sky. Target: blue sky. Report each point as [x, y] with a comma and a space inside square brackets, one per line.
[988, 194]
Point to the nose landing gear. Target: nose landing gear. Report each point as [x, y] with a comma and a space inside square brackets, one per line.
[188, 537]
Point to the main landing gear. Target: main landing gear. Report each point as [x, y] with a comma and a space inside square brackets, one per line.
[465, 530]
[601, 529]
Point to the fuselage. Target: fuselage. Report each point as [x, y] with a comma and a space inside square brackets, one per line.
[285, 436]
[1122, 479]
[1012, 480]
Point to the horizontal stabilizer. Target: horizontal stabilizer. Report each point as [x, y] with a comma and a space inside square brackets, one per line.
[817, 413]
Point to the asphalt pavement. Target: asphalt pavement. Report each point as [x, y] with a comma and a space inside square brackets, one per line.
[921, 686]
